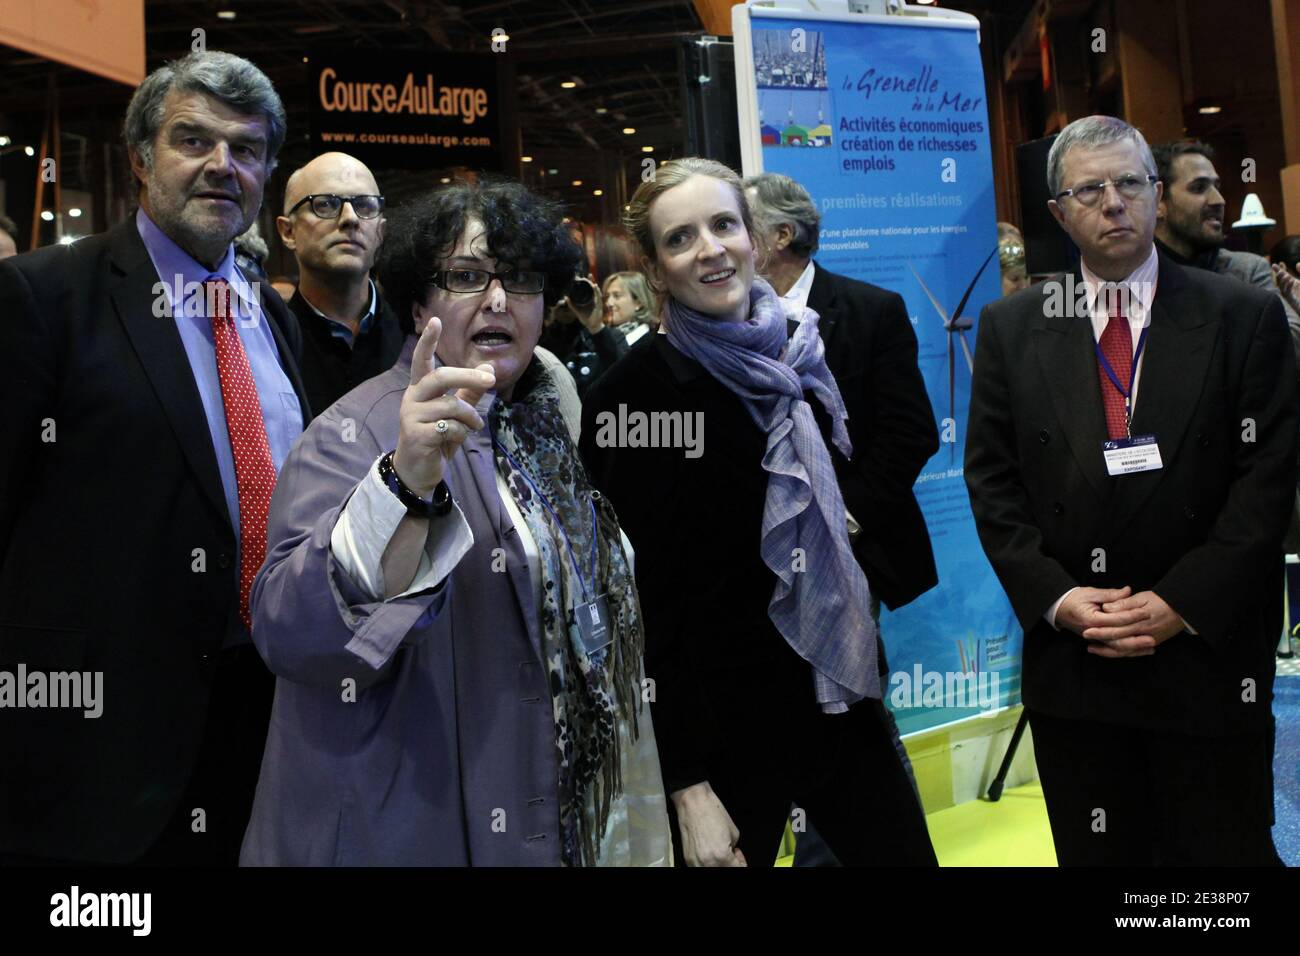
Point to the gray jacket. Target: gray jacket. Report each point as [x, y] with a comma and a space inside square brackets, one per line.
[1254, 269]
[447, 755]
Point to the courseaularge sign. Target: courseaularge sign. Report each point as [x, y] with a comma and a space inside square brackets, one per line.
[883, 120]
[409, 112]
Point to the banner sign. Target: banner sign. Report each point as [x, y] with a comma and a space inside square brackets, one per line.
[418, 111]
[883, 121]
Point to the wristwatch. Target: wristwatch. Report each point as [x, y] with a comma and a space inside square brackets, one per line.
[416, 507]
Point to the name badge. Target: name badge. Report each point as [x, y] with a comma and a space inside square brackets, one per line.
[593, 625]
[1128, 456]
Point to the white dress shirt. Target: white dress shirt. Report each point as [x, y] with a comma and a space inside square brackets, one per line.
[795, 299]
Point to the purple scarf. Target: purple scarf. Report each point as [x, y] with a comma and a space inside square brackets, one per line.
[821, 605]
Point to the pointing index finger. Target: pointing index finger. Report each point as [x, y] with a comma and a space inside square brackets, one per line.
[422, 357]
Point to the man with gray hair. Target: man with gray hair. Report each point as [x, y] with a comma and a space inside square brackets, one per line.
[871, 350]
[1131, 466]
[151, 395]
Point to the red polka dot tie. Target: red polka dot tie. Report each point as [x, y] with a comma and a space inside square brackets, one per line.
[254, 468]
[1117, 345]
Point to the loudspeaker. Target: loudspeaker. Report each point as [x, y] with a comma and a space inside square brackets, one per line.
[1047, 248]
[711, 124]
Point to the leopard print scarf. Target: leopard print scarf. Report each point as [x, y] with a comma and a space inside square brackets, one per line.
[590, 689]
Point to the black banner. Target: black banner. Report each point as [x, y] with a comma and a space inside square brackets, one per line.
[411, 111]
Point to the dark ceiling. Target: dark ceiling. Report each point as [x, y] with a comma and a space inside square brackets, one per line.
[621, 54]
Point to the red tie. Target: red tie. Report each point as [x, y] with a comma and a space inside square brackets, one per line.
[254, 468]
[1117, 347]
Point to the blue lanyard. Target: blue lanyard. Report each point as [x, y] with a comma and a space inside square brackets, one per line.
[1132, 377]
[586, 594]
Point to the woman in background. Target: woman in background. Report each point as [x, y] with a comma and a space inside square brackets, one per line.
[629, 305]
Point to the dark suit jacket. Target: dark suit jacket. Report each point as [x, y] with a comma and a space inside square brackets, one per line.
[1204, 532]
[330, 369]
[101, 533]
[871, 351]
[726, 682]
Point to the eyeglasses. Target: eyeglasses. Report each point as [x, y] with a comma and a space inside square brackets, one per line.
[328, 206]
[518, 281]
[1130, 187]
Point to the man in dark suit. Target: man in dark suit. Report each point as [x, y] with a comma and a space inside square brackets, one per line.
[333, 223]
[871, 350]
[1131, 465]
[151, 395]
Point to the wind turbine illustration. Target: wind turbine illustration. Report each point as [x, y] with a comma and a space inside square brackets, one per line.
[956, 327]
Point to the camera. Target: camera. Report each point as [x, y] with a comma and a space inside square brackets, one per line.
[582, 292]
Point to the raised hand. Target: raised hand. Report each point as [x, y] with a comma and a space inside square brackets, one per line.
[437, 413]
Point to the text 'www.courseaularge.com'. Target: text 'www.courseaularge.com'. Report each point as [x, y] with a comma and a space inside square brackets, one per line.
[406, 139]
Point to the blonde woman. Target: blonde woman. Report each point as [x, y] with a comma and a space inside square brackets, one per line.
[629, 305]
[765, 672]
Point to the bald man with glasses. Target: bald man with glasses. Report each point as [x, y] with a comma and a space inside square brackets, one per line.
[333, 223]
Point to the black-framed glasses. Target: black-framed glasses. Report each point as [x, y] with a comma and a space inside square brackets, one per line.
[1129, 186]
[328, 206]
[518, 281]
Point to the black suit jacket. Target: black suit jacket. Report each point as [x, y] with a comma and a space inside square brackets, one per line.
[726, 682]
[330, 369]
[117, 553]
[1204, 532]
[871, 350]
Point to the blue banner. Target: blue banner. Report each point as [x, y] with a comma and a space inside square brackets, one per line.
[886, 126]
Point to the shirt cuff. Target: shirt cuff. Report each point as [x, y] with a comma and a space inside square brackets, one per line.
[1051, 611]
[366, 525]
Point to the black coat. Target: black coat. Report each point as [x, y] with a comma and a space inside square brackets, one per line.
[101, 533]
[725, 678]
[871, 351]
[330, 369]
[587, 356]
[1204, 532]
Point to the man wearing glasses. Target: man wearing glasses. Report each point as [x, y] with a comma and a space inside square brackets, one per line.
[1131, 466]
[333, 223]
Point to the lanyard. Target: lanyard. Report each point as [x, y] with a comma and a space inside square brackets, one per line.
[1132, 377]
[586, 594]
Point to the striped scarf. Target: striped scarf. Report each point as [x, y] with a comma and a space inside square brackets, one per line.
[821, 604]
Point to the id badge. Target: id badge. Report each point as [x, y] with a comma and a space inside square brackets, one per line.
[593, 625]
[1129, 456]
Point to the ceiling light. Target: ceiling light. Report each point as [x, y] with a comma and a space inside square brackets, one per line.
[67, 240]
[226, 14]
[629, 131]
[4, 140]
[444, 180]
[525, 159]
[553, 172]
[75, 212]
[647, 149]
[29, 151]
[47, 215]
[598, 192]
[577, 182]
[568, 85]
[1210, 109]
[601, 111]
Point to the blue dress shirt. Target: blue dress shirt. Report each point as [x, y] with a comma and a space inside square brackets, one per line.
[281, 411]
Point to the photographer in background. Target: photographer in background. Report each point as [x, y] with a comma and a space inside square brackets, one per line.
[577, 334]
